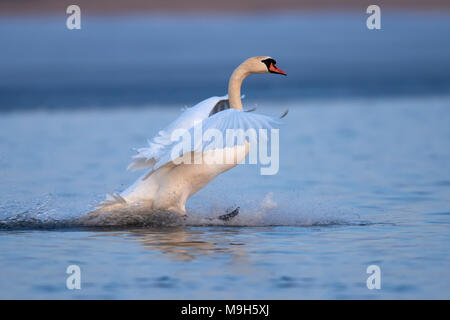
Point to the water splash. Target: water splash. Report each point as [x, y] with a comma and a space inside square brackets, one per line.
[271, 212]
[46, 213]
[15, 214]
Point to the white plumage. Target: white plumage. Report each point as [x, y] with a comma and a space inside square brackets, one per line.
[169, 182]
[160, 149]
[159, 145]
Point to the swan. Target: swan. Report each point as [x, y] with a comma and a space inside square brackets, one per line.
[168, 184]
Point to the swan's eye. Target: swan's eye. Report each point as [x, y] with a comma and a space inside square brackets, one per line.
[272, 68]
[268, 62]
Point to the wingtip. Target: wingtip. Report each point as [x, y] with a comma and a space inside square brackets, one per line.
[284, 113]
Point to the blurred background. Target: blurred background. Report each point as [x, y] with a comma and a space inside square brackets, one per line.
[138, 53]
[364, 152]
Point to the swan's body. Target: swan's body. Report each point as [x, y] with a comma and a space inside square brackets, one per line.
[168, 183]
[171, 185]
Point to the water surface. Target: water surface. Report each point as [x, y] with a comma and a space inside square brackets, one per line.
[362, 181]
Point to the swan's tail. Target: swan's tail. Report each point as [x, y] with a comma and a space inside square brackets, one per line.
[111, 199]
[119, 204]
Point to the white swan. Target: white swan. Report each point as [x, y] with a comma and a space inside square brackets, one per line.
[168, 184]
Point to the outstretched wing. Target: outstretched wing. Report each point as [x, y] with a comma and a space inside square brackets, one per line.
[224, 129]
[220, 106]
[150, 155]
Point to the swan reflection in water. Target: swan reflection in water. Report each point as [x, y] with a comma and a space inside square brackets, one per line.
[186, 244]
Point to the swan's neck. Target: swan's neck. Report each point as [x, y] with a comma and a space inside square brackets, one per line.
[234, 86]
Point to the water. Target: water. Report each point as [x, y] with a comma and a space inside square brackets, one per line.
[361, 182]
[123, 61]
[364, 161]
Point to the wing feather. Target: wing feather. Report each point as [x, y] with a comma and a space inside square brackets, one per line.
[213, 113]
[157, 147]
[228, 119]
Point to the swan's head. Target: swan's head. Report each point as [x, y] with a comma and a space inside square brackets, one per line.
[262, 64]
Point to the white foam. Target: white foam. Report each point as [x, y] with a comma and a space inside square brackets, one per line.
[268, 211]
[264, 211]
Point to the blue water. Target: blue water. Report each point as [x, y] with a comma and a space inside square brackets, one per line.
[364, 167]
[123, 61]
[361, 182]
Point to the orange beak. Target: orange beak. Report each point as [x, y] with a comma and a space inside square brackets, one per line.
[273, 69]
